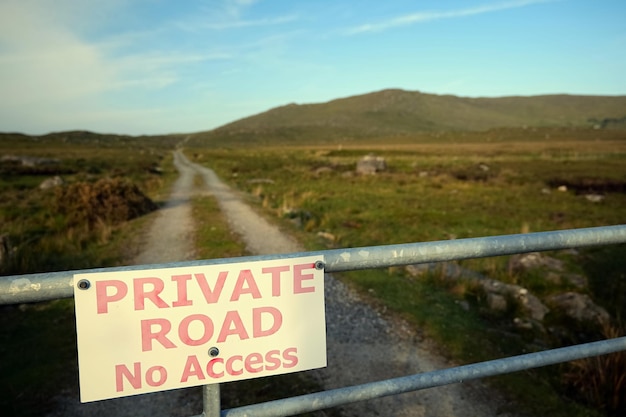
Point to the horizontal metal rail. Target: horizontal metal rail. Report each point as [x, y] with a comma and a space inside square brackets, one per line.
[342, 396]
[52, 285]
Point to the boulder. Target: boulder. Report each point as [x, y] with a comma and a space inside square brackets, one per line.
[322, 171]
[528, 302]
[51, 183]
[497, 302]
[29, 161]
[260, 181]
[577, 280]
[497, 293]
[579, 307]
[534, 260]
[328, 236]
[371, 164]
[594, 198]
[554, 269]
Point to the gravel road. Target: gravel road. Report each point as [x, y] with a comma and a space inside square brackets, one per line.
[363, 344]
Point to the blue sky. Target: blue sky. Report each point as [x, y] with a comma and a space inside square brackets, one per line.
[156, 66]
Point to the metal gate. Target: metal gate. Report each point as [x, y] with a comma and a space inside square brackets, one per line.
[53, 285]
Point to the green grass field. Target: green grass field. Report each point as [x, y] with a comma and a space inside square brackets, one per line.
[38, 340]
[443, 191]
[436, 186]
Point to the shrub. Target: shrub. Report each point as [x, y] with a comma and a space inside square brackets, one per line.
[107, 200]
[601, 381]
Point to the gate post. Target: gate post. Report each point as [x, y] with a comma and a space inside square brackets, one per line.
[211, 400]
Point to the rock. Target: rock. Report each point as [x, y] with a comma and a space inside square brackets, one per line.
[562, 188]
[534, 260]
[464, 305]
[51, 183]
[417, 270]
[577, 280]
[522, 324]
[371, 164]
[527, 301]
[554, 278]
[497, 292]
[448, 270]
[594, 198]
[260, 181]
[323, 170]
[554, 268]
[29, 161]
[579, 307]
[497, 302]
[533, 306]
[328, 236]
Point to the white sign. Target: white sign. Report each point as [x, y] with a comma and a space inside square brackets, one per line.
[154, 330]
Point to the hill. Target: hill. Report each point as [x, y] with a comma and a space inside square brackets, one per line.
[400, 113]
[84, 137]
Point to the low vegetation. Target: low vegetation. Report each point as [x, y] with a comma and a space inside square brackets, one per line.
[93, 218]
[82, 221]
[94, 182]
[476, 188]
[392, 115]
[437, 185]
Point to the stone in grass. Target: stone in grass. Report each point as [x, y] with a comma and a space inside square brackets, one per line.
[370, 165]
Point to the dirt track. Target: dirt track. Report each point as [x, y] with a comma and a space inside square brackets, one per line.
[363, 345]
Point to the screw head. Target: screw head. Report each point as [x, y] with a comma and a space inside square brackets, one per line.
[213, 352]
[319, 265]
[83, 284]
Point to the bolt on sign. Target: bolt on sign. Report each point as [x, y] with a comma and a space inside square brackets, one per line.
[158, 329]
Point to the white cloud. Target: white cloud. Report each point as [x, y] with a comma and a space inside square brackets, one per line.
[419, 17]
[41, 59]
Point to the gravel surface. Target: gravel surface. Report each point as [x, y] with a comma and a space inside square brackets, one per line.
[363, 344]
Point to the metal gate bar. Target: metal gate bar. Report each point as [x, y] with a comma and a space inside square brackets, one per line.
[52, 285]
[342, 396]
[211, 401]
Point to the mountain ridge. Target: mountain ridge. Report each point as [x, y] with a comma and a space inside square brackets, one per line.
[396, 112]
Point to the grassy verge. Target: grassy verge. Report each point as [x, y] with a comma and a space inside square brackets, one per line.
[38, 340]
[434, 192]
